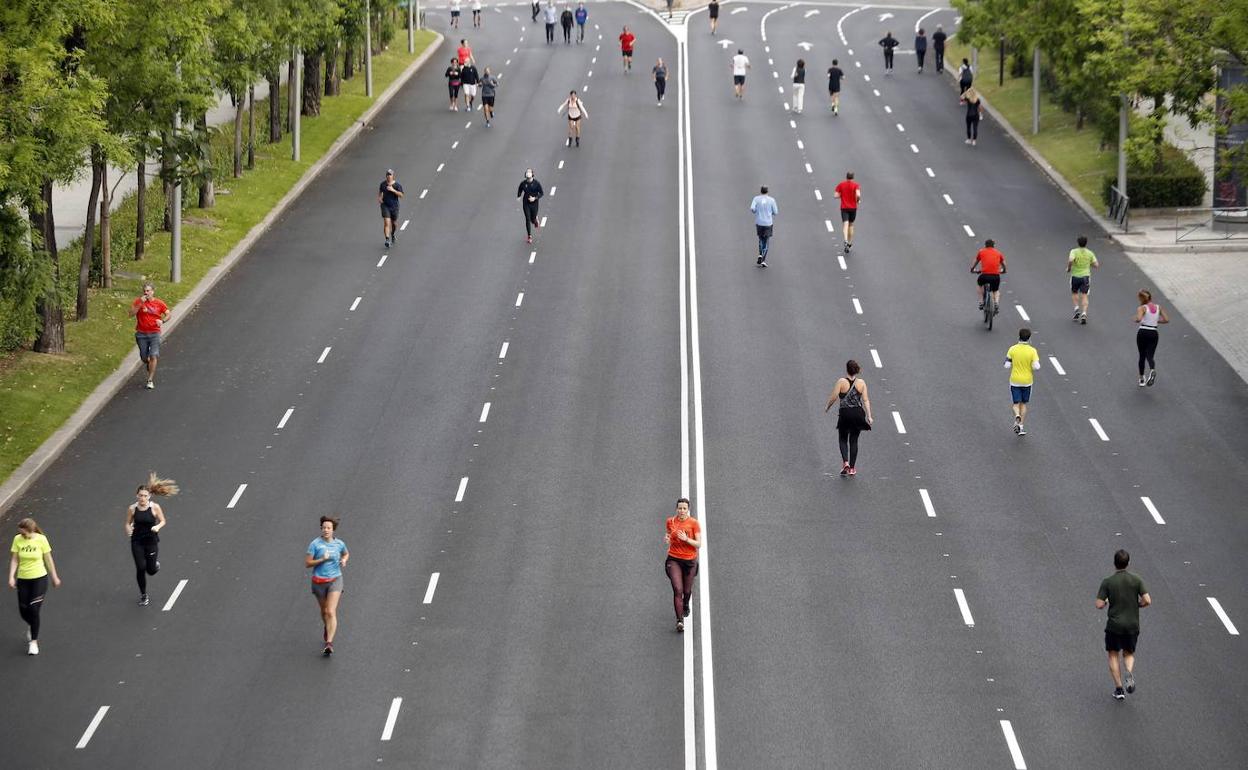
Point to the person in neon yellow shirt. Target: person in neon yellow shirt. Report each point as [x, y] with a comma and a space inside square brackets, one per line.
[1080, 265]
[1021, 359]
[29, 567]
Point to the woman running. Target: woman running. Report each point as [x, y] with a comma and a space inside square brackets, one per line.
[660, 80]
[854, 417]
[453, 82]
[1148, 315]
[712, 10]
[683, 539]
[327, 555]
[143, 520]
[576, 112]
[29, 567]
[529, 193]
[974, 111]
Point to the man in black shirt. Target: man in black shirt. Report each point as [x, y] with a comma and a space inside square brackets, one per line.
[565, 21]
[938, 47]
[888, 43]
[834, 86]
[388, 195]
[469, 77]
[529, 192]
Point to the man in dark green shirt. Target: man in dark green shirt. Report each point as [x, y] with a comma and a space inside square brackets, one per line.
[1124, 593]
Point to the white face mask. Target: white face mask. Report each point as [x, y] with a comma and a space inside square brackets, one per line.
[528, 175]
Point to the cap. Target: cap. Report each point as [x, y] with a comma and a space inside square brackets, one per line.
[389, 172]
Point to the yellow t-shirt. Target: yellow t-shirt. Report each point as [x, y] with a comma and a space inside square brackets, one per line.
[30, 551]
[1023, 360]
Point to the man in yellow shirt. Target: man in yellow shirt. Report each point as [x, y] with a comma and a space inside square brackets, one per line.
[1021, 359]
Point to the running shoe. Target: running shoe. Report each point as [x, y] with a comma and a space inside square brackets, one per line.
[1119, 694]
[569, 144]
[529, 239]
[680, 626]
[853, 471]
[32, 648]
[1152, 377]
[763, 263]
[1130, 683]
[329, 649]
[1077, 314]
[981, 306]
[759, 262]
[844, 468]
[387, 243]
[848, 246]
[144, 600]
[1083, 319]
[150, 385]
[1022, 431]
[688, 607]
[968, 141]
[578, 141]
[1142, 382]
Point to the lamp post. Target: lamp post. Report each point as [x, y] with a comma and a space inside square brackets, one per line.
[175, 204]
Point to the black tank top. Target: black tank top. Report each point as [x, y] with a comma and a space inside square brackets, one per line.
[144, 520]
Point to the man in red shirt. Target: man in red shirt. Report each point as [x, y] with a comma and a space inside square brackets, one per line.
[626, 48]
[850, 193]
[991, 265]
[150, 314]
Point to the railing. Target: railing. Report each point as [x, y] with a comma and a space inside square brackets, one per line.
[1119, 208]
[1211, 224]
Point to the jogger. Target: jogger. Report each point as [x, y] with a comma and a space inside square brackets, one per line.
[29, 567]
[683, 538]
[144, 520]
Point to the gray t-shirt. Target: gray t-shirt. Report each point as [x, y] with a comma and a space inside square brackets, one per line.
[488, 84]
[660, 71]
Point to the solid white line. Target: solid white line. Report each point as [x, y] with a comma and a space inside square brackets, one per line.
[1012, 742]
[403, 226]
[919, 24]
[502, 352]
[463, 487]
[1057, 365]
[382, 261]
[1222, 616]
[174, 596]
[840, 29]
[969, 232]
[857, 306]
[818, 194]
[86, 737]
[840, 260]
[1152, 510]
[897, 419]
[391, 718]
[828, 223]
[914, 149]
[875, 356]
[927, 504]
[809, 170]
[948, 199]
[433, 585]
[552, 190]
[237, 494]
[532, 256]
[930, 173]
[964, 607]
[282, 422]
[440, 167]
[356, 304]
[901, 128]
[1022, 312]
[888, 109]
[543, 220]
[519, 299]
[485, 412]
[324, 355]
[454, 144]
[423, 193]
[1096, 426]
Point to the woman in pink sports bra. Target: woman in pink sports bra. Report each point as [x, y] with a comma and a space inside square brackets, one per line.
[1148, 315]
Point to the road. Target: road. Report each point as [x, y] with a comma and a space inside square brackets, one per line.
[518, 420]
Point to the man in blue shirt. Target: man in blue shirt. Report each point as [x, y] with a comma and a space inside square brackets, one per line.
[582, 15]
[388, 195]
[765, 210]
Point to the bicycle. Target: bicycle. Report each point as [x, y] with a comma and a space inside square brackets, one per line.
[990, 302]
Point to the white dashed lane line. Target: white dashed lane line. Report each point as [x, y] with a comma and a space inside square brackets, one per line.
[440, 167]
[875, 357]
[914, 149]
[282, 422]
[1096, 426]
[901, 128]
[91, 728]
[532, 256]
[792, 124]
[502, 352]
[237, 494]
[828, 224]
[818, 194]
[930, 173]
[1152, 510]
[1222, 616]
[1022, 312]
[174, 596]
[901, 427]
[964, 608]
[561, 165]
[355, 304]
[840, 260]
[969, 232]
[433, 586]
[888, 109]
[485, 412]
[403, 226]
[543, 220]
[1016, 753]
[1057, 365]
[391, 718]
[324, 355]
[948, 199]
[809, 170]
[463, 487]
[519, 299]
[423, 193]
[382, 261]
[857, 306]
[454, 144]
[927, 504]
[553, 188]
[875, 91]
[800, 146]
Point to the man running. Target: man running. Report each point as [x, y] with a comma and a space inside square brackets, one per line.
[627, 38]
[712, 11]
[1125, 595]
[850, 193]
[476, 13]
[489, 87]
[1080, 265]
[938, 47]
[582, 16]
[835, 73]
[469, 77]
[565, 21]
[149, 315]
[683, 538]
[991, 265]
[888, 43]
[765, 210]
[389, 192]
[740, 66]
[1022, 360]
[529, 193]
[551, 16]
[455, 6]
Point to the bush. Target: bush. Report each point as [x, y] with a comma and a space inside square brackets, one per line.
[1180, 183]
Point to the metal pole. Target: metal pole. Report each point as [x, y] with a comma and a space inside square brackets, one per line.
[411, 26]
[1001, 71]
[296, 95]
[975, 61]
[175, 205]
[368, 48]
[1035, 90]
[1122, 145]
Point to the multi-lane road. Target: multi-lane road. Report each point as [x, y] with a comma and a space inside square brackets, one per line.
[503, 428]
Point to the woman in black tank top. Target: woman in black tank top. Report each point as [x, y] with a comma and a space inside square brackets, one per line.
[144, 520]
[854, 416]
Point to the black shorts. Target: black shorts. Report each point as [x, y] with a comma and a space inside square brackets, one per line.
[1081, 284]
[389, 212]
[487, 101]
[991, 280]
[764, 231]
[454, 14]
[1124, 642]
[738, 80]
[849, 215]
[714, 11]
[834, 89]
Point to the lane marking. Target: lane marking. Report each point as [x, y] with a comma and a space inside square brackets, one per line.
[919, 24]
[589, 74]
[552, 190]
[91, 728]
[901, 128]
[1222, 616]
[927, 504]
[964, 608]
[519, 299]
[875, 357]
[810, 13]
[1152, 510]
[800, 146]
[174, 596]
[809, 170]
[840, 26]
[1096, 426]
[502, 353]
[828, 224]
[423, 193]
[857, 306]
[930, 173]
[391, 718]
[840, 260]
[282, 422]
[324, 355]
[818, 194]
[237, 494]
[901, 428]
[1057, 365]
[454, 144]
[485, 412]
[403, 226]
[1022, 312]
[440, 167]
[532, 256]
[1015, 752]
[969, 232]
[735, 11]
[914, 149]
[875, 91]
[433, 586]
[948, 199]
[543, 220]
[792, 124]
[888, 109]
[382, 261]
[355, 304]
[560, 164]
[463, 487]
[866, 77]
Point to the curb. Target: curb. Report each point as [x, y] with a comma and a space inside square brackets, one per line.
[30, 470]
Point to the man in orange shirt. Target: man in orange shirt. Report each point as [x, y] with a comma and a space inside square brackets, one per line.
[991, 267]
[683, 539]
[850, 193]
[150, 315]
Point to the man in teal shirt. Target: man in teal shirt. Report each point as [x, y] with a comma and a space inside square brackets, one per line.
[1080, 264]
[1124, 594]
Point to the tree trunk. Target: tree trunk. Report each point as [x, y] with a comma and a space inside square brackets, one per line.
[166, 169]
[348, 61]
[275, 107]
[106, 231]
[333, 83]
[312, 83]
[251, 126]
[240, 105]
[52, 332]
[290, 100]
[140, 197]
[207, 187]
[88, 238]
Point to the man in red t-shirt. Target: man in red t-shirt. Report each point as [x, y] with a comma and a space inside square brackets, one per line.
[626, 48]
[991, 266]
[149, 314]
[850, 193]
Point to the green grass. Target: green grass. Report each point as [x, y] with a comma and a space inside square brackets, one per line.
[1075, 153]
[39, 392]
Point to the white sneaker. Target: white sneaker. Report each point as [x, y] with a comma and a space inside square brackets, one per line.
[33, 648]
[150, 385]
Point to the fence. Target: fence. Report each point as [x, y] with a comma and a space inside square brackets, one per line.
[1211, 224]
[1119, 208]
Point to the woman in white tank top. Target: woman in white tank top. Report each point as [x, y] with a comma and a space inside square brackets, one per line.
[1148, 315]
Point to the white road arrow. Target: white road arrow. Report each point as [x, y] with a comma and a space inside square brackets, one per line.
[811, 13]
[885, 16]
[725, 43]
[805, 46]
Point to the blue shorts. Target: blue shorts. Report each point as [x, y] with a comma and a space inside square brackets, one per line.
[149, 345]
[1020, 394]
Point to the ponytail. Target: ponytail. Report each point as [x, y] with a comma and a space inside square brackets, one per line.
[159, 487]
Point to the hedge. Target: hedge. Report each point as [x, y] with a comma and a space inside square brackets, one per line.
[1180, 183]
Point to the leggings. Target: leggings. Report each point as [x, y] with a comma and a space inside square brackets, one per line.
[550, 33]
[972, 127]
[567, 33]
[681, 573]
[920, 56]
[660, 87]
[848, 440]
[145, 553]
[30, 592]
[530, 216]
[1146, 343]
[888, 58]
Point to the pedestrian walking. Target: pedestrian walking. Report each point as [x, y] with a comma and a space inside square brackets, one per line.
[1124, 594]
[853, 417]
[144, 520]
[669, 9]
[389, 193]
[470, 79]
[1023, 361]
[489, 89]
[529, 193]
[765, 211]
[582, 16]
[799, 86]
[476, 14]
[850, 194]
[576, 114]
[536, 8]
[712, 12]
[974, 112]
[456, 5]
[888, 43]
[920, 48]
[938, 47]
[683, 538]
[551, 15]
[627, 39]
[566, 20]
[966, 76]
[835, 74]
[1080, 264]
[29, 567]
[453, 83]
[326, 557]
[150, 315]
[740, 66]
[660, 80]
[1148, 315]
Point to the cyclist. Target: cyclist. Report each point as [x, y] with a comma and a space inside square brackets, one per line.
[991, 265]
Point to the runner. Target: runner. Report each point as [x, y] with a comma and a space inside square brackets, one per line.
[660, 79]
[388, 194]
[464, 53]
[326, 557]
[966, 76]
[627, 39]
[799, 86]
[29, 567]
[144, 520]
[888, 43]
[1148, 315]
[489, 87]
[854, 416]
[683, 538]
[740, 66]
[920, 48]
[455, 6]
[582, 16]
[1125, 595]
[453, 83]
[974, 111]
[565, 21]
[576, 113]
[1022, 360]
[938, 47]
[469, 77]
[835, 73]
[551, 16]
[149, 315]
[476, 13]
[991, 267]
[669, 10]
[712, 10]
[529, 193]
[765, 210]
[536, 8]
[850, 194]
[1080, 264]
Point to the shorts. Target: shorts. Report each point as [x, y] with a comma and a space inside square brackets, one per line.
[849, 215]
[1080, 284]
[576, 119]
[1125, 642]
[714, 11]
[991, 280]
[389, 212]
[149, 345]
[1020, 394]
[470, 90]
[834, 90]
[764, 231]
[626, 54]
[323, 590]
[454, 14]
[488, 101]
[738, 80]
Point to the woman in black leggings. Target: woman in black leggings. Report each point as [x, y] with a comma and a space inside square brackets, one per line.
[1148, 315]
[854, 416]
[974, 111]
[29, 568]
[144, 520]
[529, 193]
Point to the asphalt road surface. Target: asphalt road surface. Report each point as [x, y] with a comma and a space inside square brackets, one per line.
[504, 427]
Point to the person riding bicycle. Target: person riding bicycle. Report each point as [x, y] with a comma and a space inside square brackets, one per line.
[991, 265]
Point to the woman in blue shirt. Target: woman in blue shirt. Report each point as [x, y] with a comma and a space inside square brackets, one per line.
[327, 555]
